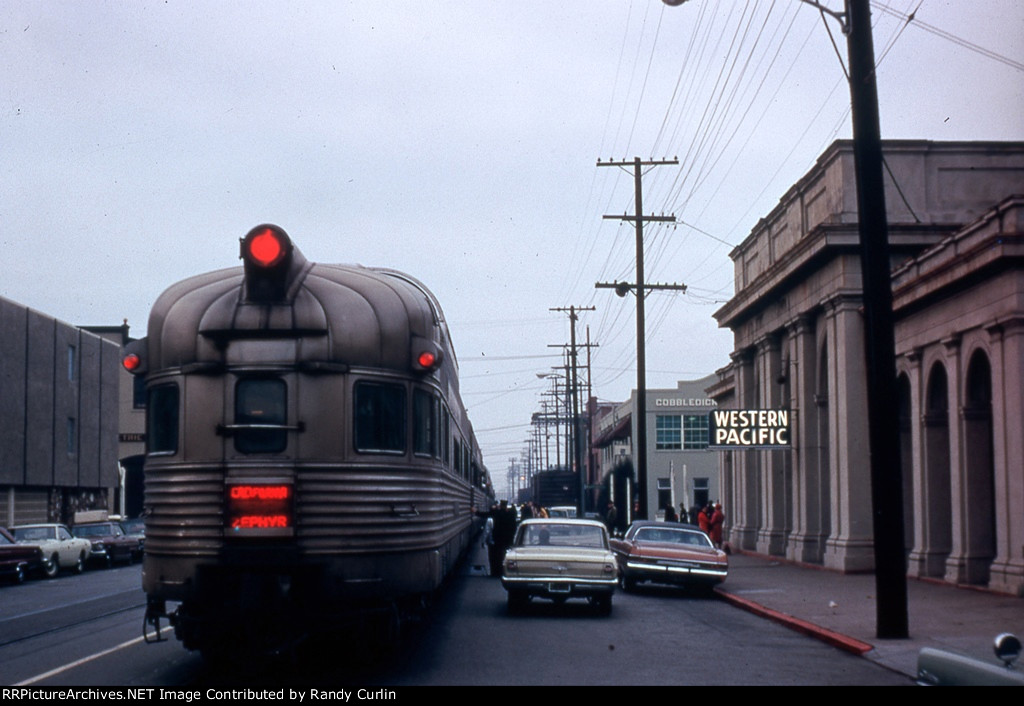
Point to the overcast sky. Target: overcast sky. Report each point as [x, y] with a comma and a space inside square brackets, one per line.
[456, 141]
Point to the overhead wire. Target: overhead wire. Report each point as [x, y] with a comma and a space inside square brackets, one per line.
[911, 19]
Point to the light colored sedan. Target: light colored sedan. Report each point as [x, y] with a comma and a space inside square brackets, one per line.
[560, 559]
[61, 550]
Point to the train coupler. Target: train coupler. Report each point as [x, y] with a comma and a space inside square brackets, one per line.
[156, 608]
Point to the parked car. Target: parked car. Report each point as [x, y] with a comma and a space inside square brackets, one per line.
[109, 542]
[18, 560]
[562, 511]
[669, 552]
[937, 667]
[560, 559]
[61, 550]
[136, 529]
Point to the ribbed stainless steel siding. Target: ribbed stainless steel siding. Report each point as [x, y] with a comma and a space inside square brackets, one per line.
[339, 509]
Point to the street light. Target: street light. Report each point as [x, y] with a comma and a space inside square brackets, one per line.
[879, 337]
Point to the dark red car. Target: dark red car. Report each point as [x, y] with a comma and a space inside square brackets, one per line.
[669, 552]
[109, 542]
[18, 560]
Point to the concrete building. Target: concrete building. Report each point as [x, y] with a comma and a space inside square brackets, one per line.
[958, 284]
[59, 416]
[680, 468]
[131, 437]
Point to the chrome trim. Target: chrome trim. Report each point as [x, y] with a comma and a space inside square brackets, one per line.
[701, 571]
[559, 580]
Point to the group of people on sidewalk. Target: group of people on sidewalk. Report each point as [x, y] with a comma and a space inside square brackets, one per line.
[709, 518]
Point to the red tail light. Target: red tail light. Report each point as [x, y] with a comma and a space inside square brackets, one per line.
[266, 248]
[427, 359]
[267, 252]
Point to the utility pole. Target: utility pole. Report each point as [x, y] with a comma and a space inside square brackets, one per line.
[640, 443]
[577, 436]
[879, 327]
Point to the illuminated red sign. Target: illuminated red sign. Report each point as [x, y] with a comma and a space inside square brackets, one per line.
[260, 492]
[253, 506]
[260, 521]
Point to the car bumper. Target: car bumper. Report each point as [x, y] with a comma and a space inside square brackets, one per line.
[670, 573]
[551, 587]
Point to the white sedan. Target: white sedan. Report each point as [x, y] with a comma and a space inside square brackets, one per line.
[61, 550]
[560, 559]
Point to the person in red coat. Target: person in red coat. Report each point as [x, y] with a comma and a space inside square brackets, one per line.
[704, 518]
[716, 522]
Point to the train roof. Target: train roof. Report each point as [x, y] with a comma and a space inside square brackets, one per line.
[343, 314]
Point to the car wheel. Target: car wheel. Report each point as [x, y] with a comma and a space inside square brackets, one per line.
[80, 564]
[51, 567]
[628, 584]
[19, 574]
[603, 605]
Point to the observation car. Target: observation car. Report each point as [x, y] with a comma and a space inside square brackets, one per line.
[560, 559]
[669, 552]
[309, 461]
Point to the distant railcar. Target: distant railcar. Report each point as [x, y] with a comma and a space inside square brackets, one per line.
[309, 461]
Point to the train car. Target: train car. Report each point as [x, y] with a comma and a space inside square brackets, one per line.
[309, 461]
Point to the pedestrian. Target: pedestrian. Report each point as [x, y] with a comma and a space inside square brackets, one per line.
[716, 522]
[704, 519]
[611, 517]
[503, 519]
[670, 514]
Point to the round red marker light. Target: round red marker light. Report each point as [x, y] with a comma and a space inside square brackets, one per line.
[131, 362]
[266, 248]
[426, 359]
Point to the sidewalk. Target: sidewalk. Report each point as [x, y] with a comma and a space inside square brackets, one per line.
[840, 609]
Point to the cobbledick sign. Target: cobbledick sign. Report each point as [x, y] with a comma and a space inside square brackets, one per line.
[749, 428]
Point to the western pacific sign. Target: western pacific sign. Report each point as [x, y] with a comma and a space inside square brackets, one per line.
[749, 429]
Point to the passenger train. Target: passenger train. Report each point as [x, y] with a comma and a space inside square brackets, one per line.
[309, 461]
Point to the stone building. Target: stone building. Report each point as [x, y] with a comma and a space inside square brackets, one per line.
[958, 281]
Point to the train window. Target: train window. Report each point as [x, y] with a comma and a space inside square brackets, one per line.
[424, 415]
[379, 417]
[162, 420]
[261, 404]
[446, 435]
[438, 439]
[138, 391]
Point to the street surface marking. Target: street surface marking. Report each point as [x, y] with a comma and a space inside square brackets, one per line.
[77, 663]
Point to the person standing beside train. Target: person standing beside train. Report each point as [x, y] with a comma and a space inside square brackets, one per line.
[503, 533]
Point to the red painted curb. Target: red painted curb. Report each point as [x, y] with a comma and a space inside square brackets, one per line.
[835, 639]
